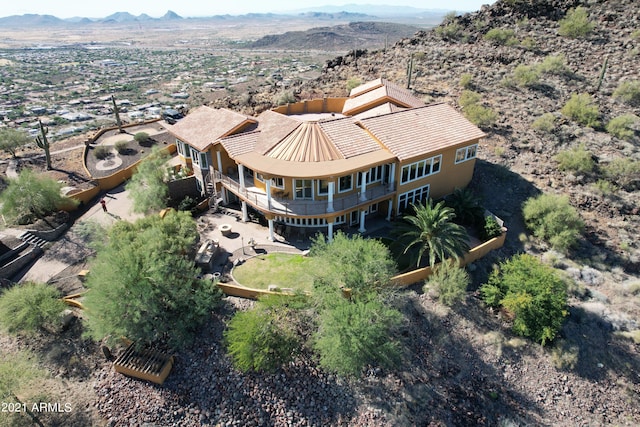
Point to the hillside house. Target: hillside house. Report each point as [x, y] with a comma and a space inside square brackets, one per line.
[330, 162]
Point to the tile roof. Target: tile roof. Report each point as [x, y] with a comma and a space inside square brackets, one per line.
[375, 93]
[204, 125]
[349, 137]
[419, 131]
[307, 143]
[385, 108]
[273, 128]
[242, 143]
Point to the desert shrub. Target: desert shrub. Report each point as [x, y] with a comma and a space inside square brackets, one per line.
[286, 98]
[501, 37]
[628, 92]
[576, 23]
[17, 370]
[529, 43]
[491, 228]
[355, 333]
[576, 159]
[449, 29]
[352, 83]
[581, 108]
[545, 123]
[102, 152]
[526, 75]
[564, 356]
[553, 64]
[466, 80]
[121, 147]
[30, 307]
[142, 138]
[469, 97]
[450, 282]
[621, 126]
[480, 116]
[553, 219]
[264, 338]
[187, 203]
[604, 187]
[622, 171]
[532, 292]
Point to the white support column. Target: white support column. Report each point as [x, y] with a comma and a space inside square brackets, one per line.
[241, 175]
[390, 211]
[272, 236]
[330, 232]
[392, 178]
[225, 196]
[268, 183]
[219, 158]
[363, 187]
[245, 214]
[332, 189]
[362, 216]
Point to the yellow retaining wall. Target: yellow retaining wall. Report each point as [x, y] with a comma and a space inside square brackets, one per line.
[242, 292]
[474, 254]
[108, 182]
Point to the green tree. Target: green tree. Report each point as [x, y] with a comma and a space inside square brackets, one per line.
[553, 219]
[142, 138]
[30, 197]
[576, 24]
[30, 307]
[466, 206]
[450, 281]
[354, 333]
[144, 284]
[581, 108]
[533, 292]
[526, 75]
[431, 229]
[147, 187]
[12, 139]
[353, 262]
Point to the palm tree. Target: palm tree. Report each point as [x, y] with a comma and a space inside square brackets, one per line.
[432, 229]
[466, 206]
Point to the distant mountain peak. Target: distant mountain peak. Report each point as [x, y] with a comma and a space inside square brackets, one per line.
[171, 15]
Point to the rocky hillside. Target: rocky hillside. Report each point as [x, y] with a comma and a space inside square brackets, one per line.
[339, 37]
[494, 52]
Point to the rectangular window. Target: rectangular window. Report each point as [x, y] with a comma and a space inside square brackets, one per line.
[466, 153]
[345, 183]
[277, 182]
[303, 188]
[199, 158]
[420, 169]
[413, 196]
[181, 148]
[259, 177]
[323, 187]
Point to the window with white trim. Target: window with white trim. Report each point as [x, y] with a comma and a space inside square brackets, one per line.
[277, 182]
[466, 153]
[323, 187]
[413, 196]
[345, 183]
[259, 177]
[199, 158]
[373, 175]
[420, 169]
[182, 149]
[303, 188]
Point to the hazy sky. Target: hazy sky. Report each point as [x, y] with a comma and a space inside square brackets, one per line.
[189, 8]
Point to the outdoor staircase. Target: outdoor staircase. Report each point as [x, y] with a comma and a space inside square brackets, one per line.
[32, 239]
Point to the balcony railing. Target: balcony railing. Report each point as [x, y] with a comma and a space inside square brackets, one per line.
[292, 207]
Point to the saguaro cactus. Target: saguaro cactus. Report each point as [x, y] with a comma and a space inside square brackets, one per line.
[43, 142]
[116, 111]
